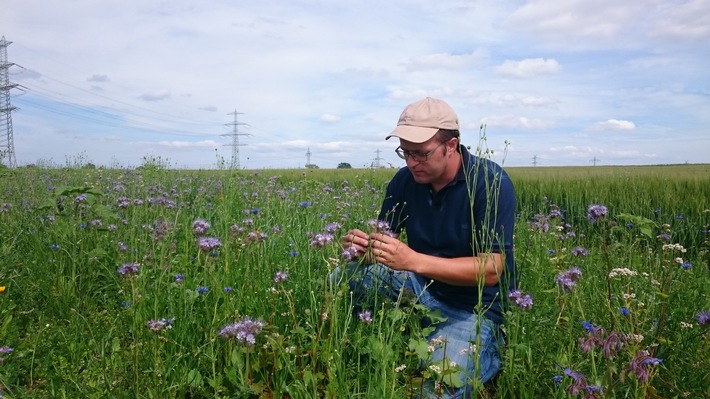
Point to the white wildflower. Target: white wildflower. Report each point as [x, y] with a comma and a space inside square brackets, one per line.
[622, 272]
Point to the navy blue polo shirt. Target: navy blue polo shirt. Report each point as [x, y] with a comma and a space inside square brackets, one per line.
[475, 213]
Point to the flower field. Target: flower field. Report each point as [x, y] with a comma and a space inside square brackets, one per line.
[159, 283]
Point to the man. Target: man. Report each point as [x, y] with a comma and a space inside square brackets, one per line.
[458, 212]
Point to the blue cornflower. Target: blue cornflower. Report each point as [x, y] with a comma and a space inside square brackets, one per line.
[558, 380]
[293, 253]
[6, 349]
[227, 289]
[179, 278]
[202, 290]
[590, 327]
[624, 311]
[305, 204]
[686, 265]
[54, 246]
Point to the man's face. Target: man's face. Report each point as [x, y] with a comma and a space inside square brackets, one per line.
[426, 161]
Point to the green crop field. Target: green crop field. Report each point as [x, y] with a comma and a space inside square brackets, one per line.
[158, 283]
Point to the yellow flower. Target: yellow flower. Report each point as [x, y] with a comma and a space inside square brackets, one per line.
[2, 289]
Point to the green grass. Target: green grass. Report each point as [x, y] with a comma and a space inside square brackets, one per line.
[78, 328]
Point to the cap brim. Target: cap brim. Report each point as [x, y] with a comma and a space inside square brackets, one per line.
[414, 134]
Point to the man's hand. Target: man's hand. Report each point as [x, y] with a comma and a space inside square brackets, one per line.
[392, 252]
[358, 240]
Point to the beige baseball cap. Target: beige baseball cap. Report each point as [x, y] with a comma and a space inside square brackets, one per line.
[421, 120]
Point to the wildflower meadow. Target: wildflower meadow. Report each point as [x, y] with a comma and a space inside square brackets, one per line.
[153, 282]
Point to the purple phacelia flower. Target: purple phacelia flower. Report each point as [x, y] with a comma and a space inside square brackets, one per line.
[208, 244]
[568, 279]
[580, 251]
[244, 331]
[365, 316]
[595, 212]
[128, 269]
[320, 240]
[350, 253]
[333, 227]
[280, 277]
[703, 318]
[160, 325]
[380, 226]
[200, 226]
[521, 299]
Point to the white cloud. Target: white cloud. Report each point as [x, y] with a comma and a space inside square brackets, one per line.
[190, 144]
[445, 61]
[513, 100]
[511, 122]
[528, 68]
[614, 124]
[329, 118]
[686, 21]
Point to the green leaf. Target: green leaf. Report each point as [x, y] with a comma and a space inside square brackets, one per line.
[194, 378]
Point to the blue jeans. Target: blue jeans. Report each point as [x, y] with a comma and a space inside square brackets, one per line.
[461, 330]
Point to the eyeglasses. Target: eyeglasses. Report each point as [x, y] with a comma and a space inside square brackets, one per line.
[416, 156]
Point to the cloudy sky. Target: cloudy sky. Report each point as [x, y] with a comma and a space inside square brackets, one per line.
[555, 82]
